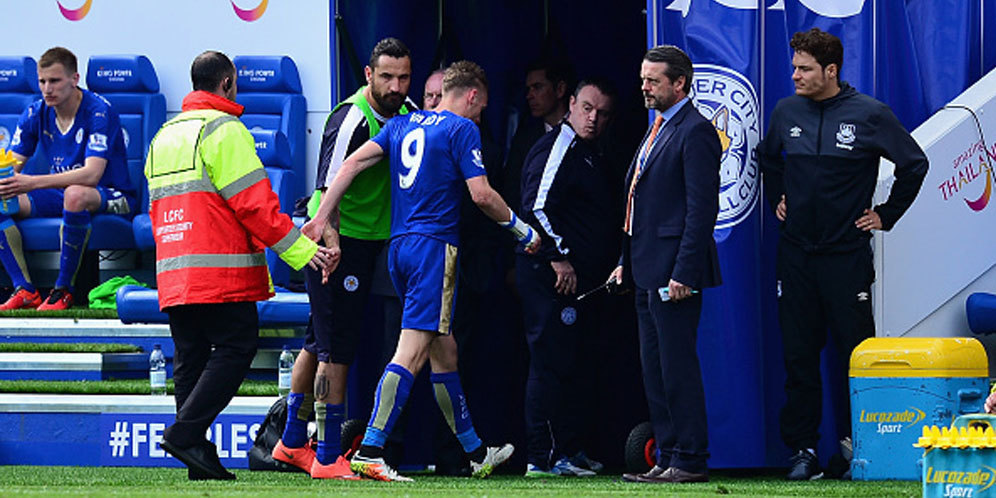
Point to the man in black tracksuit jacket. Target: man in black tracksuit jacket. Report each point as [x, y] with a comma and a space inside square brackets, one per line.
[820, 161]
[567, 191]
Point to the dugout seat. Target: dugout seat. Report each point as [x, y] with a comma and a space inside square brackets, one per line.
[274, 152]
[270, 89]
[980, 309]
[130, 84]
[141, 305]
[18, 89]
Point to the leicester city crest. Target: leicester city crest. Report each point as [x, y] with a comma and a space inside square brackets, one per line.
[568, 315]
[4, 138]
[351, 283]
[729, 101]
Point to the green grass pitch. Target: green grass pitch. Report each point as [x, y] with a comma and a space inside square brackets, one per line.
[109, 481]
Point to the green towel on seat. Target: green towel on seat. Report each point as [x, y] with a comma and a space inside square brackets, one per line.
[104, 296]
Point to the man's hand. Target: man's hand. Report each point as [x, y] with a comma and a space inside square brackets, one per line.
[15, 185]
[332, 244]
[323, 259]
[616, 275]
[532, 247]
[991, 403]
[870, 221]
[314, 229]
[567, 280]
[780, 210]
[676, 291]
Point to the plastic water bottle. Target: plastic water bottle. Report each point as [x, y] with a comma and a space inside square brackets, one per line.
[7, 162]
[285, 365]
[157, 371]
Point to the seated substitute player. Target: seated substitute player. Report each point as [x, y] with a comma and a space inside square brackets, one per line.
[431, 153]
[80, 135]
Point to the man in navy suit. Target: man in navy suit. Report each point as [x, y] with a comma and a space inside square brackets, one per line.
[672, 192]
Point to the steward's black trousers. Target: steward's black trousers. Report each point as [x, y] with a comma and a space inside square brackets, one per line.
[207, 379]
[820, 292]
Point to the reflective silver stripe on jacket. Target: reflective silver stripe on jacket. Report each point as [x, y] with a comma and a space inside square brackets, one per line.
[247, 180]
[202, 184]
[211, 261]
[284, 244]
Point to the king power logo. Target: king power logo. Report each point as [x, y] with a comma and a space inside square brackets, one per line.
[250, 15]
[76, 14]
[728, 100]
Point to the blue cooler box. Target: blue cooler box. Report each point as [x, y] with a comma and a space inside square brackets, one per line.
[898, 385]
[960, 462]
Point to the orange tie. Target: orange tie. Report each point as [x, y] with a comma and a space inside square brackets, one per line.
[627, 223]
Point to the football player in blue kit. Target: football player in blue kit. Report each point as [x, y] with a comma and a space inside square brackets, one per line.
[81, 140]
[433, 154]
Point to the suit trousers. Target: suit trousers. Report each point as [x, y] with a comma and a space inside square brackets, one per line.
[817, 293]
[672, 379]
[215, 344]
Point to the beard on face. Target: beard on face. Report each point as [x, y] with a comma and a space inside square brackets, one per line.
[390, 102]
[654, 102]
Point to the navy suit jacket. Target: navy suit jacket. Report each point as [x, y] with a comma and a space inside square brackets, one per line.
[675, 204]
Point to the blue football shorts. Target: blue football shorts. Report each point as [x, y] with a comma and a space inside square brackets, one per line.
[424, 272]
[47, 202]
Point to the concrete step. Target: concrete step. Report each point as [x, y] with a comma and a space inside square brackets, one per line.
[73, 366]
[104, 331]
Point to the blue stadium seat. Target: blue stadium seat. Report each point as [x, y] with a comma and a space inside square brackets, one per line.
[141, 305]
[980, 308]
[274, 152]
[18, 89]
[270, 89]
[130, 84]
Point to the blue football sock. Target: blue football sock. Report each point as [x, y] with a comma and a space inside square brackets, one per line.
[392, 393]
[75, 233]
[299, 407]
[450, 398]
[329, 418]
[12, 254]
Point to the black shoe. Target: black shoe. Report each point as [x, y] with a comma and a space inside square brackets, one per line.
[805, 466]
[676, 475]
[655, 472]
[201, 461]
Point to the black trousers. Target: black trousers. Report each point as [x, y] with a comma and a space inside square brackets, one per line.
[672, 378]
[215, 344]
[559, 331]
[818, 292]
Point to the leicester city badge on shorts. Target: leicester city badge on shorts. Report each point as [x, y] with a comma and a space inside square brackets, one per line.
[568, 315]
[351, 283]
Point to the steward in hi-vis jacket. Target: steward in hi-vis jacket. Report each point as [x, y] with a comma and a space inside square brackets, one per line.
[213, 212]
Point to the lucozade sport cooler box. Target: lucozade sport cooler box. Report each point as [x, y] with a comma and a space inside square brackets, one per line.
[897, 386]
[959, 463]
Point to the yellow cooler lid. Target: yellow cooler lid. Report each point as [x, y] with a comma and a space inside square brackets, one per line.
[919, 357]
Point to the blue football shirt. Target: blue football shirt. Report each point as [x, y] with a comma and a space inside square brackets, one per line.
[96, 132]
[432, 154]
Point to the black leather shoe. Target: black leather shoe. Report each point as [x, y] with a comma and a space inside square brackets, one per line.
[805, 467]
[651, 474]
[676, 475]
[201, 461]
